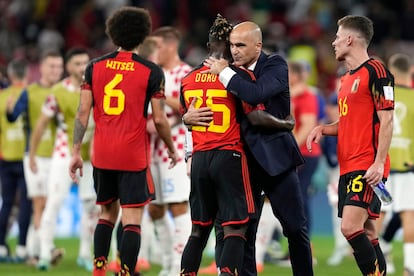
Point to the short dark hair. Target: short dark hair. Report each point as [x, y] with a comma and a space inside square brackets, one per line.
[167, 33]
[220, 30]
[128, 26]
[359, 23]
[74, 52]
[49, 53]
[18, 68]
[401, 62]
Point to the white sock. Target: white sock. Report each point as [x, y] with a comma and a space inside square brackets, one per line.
[267, 225]
[147, 233]
[164, 236]
[89, 219]
[408, 249]
[180, 236]
[21, 251]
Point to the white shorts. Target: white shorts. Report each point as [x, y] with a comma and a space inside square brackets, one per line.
[37, 183]
[59, 178]
[401, 187]
[171, 185]
[86, 189]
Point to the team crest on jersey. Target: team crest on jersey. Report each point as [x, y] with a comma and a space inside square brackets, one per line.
[355, 85]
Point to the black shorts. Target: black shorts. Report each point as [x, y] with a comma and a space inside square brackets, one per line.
[220, 187]
[133, 189]
[353, 190]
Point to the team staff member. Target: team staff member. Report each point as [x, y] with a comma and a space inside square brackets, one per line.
[275, 154]
[30, 103]
[364, 130]
[119, 87]
[12, 145]
[172, 186]
[402, 153]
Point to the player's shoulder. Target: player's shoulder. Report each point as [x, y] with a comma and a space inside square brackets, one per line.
[192, 71]
[377, 68]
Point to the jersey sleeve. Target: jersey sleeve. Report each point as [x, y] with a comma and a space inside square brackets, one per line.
[382, 83]
[87, 79]
[247, 108]
[156, 84]
[50, 107]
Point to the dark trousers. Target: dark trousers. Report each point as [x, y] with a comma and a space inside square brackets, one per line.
[285, 196]
[13, 185]
[305, 173]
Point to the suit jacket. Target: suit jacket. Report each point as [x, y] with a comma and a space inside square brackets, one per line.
[276, 151]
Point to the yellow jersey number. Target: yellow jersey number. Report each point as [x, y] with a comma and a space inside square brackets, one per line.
[221, 108]
[118, 94]
[343, 107]
[355, 185]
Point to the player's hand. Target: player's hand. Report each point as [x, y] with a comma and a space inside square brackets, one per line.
[215, 65]
[374, 173]
[314, 137]
[173, 157]
[197, 116]
[76, 163]
[33, 164]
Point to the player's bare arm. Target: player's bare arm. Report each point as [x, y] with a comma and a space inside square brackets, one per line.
[264, 119]
[81, 124]
[376, 170]
[163, 128]
[316, 134]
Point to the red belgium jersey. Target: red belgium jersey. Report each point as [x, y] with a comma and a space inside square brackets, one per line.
[122, 84]
[363, 92]
[224, 131]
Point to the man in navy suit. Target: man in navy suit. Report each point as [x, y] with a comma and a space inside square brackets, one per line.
[274, 154]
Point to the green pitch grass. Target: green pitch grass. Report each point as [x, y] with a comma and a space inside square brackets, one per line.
[322, 246]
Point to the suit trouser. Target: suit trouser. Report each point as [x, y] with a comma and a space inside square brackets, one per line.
[285, 196]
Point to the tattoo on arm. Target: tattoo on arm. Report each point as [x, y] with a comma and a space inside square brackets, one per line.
[79, 132]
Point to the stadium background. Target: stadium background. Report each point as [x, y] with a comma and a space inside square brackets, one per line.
[301, 29]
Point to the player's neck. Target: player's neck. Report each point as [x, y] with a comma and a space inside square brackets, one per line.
[43, 82]
[75, 81]
[135, 50]
[356, 59]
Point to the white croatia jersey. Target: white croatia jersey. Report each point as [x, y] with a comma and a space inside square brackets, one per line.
[172, 88]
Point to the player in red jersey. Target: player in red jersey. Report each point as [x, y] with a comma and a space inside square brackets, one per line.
[119, 87]
[219, 168]
[364, 130]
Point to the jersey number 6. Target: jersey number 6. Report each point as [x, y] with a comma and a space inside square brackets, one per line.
[116, 94]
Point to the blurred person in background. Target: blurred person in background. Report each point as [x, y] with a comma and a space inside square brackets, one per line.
[172, 186]
[12, 147]
[402, 154]
[328, 146]
[29, 104]
[60, 108]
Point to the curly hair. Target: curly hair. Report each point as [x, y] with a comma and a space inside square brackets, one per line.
[220, 31]
[128, 27]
